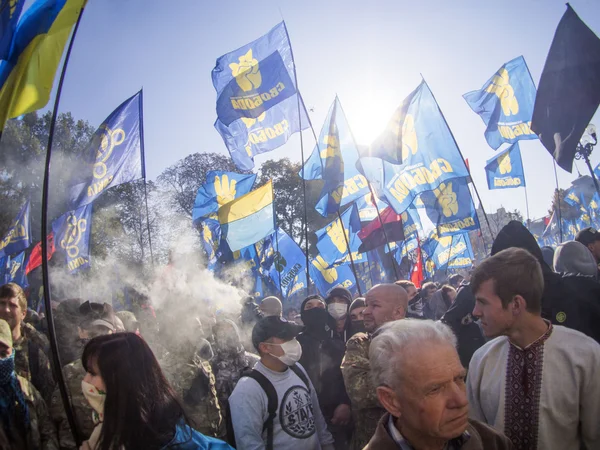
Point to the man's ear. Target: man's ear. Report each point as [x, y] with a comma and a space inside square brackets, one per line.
[519, 305]
[387, 398]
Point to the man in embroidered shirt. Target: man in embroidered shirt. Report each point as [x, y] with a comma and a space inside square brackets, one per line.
[536, 382]
[421, 383]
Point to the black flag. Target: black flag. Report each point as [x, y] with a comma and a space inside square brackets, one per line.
[569, 90]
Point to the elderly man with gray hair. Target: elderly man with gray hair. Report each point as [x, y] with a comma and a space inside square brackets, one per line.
[421, 384]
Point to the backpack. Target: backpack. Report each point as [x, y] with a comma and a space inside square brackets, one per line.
[272, 403]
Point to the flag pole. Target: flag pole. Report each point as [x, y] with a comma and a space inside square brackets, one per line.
[527, 208]
[56, 363]
[299, 98]
[143, 154]
[278, 272]
[463, 159]
[374, 202]
[558, 200]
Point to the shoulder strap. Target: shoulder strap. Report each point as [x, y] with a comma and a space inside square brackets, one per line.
[272, 402]
[298, 371]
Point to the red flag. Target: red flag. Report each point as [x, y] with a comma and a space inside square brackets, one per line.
[35, 258]
[417, 272]
[372, 235]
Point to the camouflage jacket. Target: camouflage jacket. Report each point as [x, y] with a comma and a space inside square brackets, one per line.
[73, 374]
[31, 360]
[194, 383]
[356, 370]
[228, 369]
[42, 434]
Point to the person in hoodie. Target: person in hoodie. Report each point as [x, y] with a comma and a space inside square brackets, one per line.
[321, 358]
[338, 303]
[573, 258]
[566, 300]
[357, 320]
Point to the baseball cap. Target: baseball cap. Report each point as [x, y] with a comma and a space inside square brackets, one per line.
[5, 333]
[588, 236]
[274, 327]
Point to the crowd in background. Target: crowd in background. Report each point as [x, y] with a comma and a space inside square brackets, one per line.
[506, 357]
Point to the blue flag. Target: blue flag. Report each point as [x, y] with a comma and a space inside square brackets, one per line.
[594, 210]
[333, 160]
[255, 77]
[4, 260]
[367, 209]
[220, 188]
[419, 133]
[18, 237]
[114, 154]
[10, 11]
[16, 271]
[447, 252]
[450, 206]
[461, 255]
[72, 233]
[210, 231]
[411, 222]
[505, 104]
[506, 170]
[327, 277]
[574, 196]
[331, 242]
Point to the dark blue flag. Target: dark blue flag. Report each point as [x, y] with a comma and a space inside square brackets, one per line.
[72, 233]
[16, 271]
[4, 269]
[18, 237]
[506, 170]
[334, 238]
[114, 154]
[10, 10]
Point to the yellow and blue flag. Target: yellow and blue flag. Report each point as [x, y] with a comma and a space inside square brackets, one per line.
[27, 75]
[15, 272]
[220, 188]
[326, 276]
[505, 104]
[248, 219]
[10, 11]
[334, 161]
[333, 239]
[210, 231]
[505, 171]
[255, 77]
[18, 237]
[114, 155]
[418, 137]
[72, 233]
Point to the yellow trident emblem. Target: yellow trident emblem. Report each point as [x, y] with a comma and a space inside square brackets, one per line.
[108, 141]
[330, 274]
[224, 189]
[73, 234]
[335, 231]
[447, 199]
[505, 92]
[246, 72]
[504, 164]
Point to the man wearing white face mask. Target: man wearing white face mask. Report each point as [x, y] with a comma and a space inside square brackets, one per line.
[275, 405]
[338, 303]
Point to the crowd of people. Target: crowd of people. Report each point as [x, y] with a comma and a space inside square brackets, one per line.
[503, 358]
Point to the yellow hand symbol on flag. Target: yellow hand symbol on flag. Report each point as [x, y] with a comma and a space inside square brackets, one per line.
[332, 147]
[330, 274]
[249, 121]
[429, 265]
[447, 200]
[505, 92]
[335, 231]
[504, 164]
[208, 238]
[445, 241]
[246, 73]
[225, 190]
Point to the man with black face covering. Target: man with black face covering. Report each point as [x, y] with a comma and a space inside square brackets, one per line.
[321, 358]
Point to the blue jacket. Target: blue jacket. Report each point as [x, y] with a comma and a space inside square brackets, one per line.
[187, 438]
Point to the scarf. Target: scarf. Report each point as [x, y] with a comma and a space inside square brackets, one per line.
[12, 401]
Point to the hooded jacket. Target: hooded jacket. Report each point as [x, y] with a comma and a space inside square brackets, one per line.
[573, 257]
[569, 300]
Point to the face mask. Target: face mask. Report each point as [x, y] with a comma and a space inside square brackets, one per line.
[292, 351]
[7, 368]
[95, 398]
[337, 310]
[315, 318]
[358, 326]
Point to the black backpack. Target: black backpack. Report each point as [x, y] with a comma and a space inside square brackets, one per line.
[272, 402]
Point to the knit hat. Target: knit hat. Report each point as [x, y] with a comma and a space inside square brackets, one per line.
[358, 302]
[5, 333]
[341, 292]
[573, 257]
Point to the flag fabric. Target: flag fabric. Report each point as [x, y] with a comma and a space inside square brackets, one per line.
[569, 90]
[35, 258]
[10, 11]
[505, 171]
[505, 104]
[411, 222]
[247, 137]
[18, 237]
[255, 77]
[597, 171]
[210, 231]
[461, 255]
[326, 276]
[416, 275]
[450, 206]
[333, 239]
[419, 136]
[445, 252]
[72, 233]
[368, 205]
[374, 235]
[16, 271]
[574, 196]
[4, 260]
[248, 219]
[27, 75]
[333, 160]
[220, 188]
[114, 155]
[594, 210]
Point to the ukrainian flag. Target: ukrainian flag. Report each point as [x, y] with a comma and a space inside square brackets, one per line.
[248, 219]
[26, 78]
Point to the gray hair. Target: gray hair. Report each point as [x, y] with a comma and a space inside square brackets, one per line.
[386, 350]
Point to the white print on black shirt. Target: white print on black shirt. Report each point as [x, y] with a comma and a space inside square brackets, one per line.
[296, 413]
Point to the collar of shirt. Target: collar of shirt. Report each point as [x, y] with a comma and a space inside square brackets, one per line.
[539, 341]
[454, 444]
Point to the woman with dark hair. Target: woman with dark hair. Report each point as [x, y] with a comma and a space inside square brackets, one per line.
[135, 407]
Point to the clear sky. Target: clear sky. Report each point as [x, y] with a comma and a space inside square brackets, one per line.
[371, 53]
